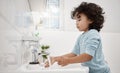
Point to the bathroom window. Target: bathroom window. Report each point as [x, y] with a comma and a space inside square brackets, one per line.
[51, 20]
[42, 14]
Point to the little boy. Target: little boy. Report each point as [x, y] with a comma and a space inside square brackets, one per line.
[88, 48]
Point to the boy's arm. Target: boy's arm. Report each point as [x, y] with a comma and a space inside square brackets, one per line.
[71, 58]
[80, 59]
[69, 55]
[77, 59]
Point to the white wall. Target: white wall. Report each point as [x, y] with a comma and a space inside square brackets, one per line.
[9, 32]
[111, 50]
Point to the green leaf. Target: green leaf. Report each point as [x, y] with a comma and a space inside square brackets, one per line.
[44, 56]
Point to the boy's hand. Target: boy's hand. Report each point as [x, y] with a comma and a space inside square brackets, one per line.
[52, 62]
[63, 61]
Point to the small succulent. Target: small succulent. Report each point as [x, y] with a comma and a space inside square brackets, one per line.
[44, 56]
[44, 48]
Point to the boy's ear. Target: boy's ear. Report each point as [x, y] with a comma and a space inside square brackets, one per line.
[90, 21]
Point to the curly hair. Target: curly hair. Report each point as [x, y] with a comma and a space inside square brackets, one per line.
[93, 12]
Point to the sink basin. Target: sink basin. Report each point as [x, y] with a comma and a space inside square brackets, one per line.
[55, 68]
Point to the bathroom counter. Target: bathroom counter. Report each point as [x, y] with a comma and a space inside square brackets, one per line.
[73, 68]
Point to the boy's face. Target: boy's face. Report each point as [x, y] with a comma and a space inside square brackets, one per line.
[82, 23]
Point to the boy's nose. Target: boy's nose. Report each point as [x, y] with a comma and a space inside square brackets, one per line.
[76, 23]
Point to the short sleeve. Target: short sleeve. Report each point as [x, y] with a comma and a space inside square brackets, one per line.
[76, 49]
[91, 44]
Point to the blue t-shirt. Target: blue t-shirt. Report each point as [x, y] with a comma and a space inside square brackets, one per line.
[90, 43]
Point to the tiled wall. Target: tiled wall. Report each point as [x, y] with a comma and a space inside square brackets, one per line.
[10, 44]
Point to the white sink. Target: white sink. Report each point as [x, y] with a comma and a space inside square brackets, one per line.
[73, 68]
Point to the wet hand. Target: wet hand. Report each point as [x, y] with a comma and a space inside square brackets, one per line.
[52, 60]
[63, 61]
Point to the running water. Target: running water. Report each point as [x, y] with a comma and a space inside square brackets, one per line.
[48, 57]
